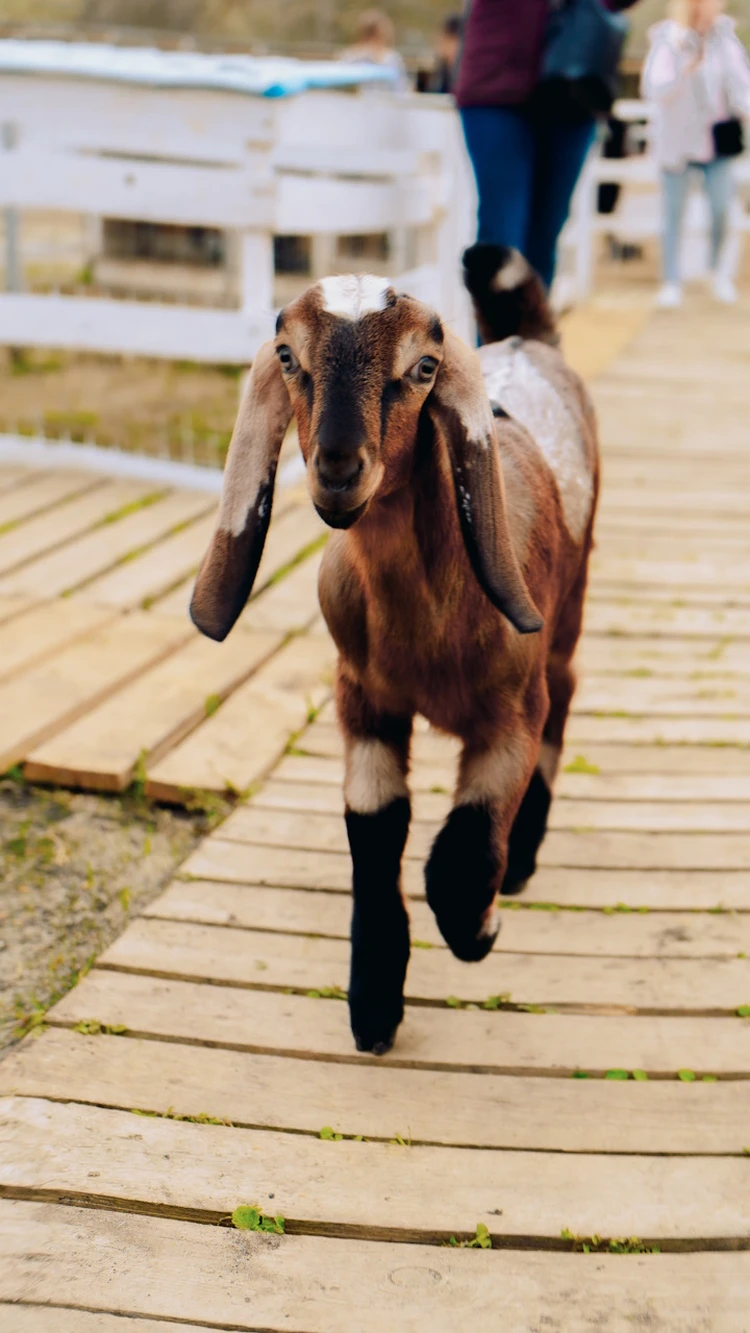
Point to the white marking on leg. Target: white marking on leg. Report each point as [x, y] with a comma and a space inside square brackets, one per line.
[548, 762]
[494, 775]
[490, 924]
[373, 777]
[352, 295]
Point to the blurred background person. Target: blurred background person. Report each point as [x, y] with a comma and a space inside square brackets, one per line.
[527, 149]
[375, 44]
[447, 49]
[697, 76]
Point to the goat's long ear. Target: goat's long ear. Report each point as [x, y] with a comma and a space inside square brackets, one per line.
[461, 412]
[230, 564]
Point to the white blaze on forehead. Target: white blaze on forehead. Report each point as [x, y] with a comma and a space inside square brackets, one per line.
[514, 383]
[352, 295]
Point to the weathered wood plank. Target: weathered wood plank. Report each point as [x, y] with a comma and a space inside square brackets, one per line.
[257, 958]
[631, 729]
[67, 520]
[288, 604]
[44, 629]
[571, 812]
[148, 717]
[42, 492]
[586, 886]
[52, 694]
[223, 1278]
[80, 1153]
[640, 617]
[53, 1319]
[501, 1042]
[79, 560]
[296, 771]
[663, 698]
[621, 934]
[155, 571]
[607, 850]
[378, 1101]
[238, 744]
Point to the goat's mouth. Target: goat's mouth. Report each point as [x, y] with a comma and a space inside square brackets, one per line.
[337, 517]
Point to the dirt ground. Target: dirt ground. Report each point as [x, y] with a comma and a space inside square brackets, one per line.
[73, 869]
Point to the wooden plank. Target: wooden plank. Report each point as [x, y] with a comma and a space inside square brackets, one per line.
[501, 1042]
[42, 492]
[377, 1101]
[657, 697]
[79, 560]
[155, 571]
[229, 1279]
[75, 1153]
[305, 912]
[143, 721]
[728, 730]
[258, 958]
[298, 771]
[643, 618]
[14, 476]
[52, 694]
[66, 521]
[572, 813]
[53, 1319]
[583, 847]
[291, 533]
[288, 604]
[44, 629]
[238, 744]
[10, 607]
[700, 659]
[582, 886]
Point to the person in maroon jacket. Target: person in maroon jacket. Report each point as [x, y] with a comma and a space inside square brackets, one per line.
[527, 153]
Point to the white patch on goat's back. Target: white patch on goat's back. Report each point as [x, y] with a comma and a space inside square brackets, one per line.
[373, 777]
[352, 295]
[515, 384]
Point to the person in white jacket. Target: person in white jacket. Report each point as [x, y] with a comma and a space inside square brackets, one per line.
[696, 75]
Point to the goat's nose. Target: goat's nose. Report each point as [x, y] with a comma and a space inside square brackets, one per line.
[337, 470]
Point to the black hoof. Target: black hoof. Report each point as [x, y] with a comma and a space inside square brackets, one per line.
[373, 1031]
[459, 879]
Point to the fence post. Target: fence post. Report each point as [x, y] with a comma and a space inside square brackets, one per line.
[12, 240]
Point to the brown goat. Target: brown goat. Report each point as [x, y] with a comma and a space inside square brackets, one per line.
[463, 487]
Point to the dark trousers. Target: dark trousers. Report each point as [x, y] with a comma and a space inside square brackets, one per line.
[526, 170]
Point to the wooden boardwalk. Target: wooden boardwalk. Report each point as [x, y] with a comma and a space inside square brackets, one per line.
[585, 1091]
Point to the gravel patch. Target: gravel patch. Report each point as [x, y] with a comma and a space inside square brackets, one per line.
[74, 868]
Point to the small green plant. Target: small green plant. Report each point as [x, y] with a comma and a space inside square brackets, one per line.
[640, 1076]
[481, 1240]
[686, 1076]
[91, 1027]
[619, 1075]
[616, 1245]
[249, 1217]
[581, 765]
[580, 1073]
[332, 1135]
[326, 993]
[743, 1011]
[422, 944]
[212, 704]
[124, 896]
[496, 1001]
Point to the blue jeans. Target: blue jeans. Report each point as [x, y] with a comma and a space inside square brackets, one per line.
[526, 170]
[717, 182]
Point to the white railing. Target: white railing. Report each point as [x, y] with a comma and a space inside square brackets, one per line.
[637, 215]
[320, 164]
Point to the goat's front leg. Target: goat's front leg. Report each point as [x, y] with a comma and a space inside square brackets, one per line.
[467, 864]
[377, 822]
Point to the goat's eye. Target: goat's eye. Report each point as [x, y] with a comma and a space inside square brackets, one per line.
[287, 359]
[425, 369]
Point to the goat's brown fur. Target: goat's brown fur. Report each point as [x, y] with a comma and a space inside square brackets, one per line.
[447, 519]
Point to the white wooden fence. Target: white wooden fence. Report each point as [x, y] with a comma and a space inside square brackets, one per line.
[315, 164]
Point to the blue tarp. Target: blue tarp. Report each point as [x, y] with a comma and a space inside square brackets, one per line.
[267, 76]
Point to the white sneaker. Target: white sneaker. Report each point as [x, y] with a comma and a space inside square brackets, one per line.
[669, 297]
[724, 289]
